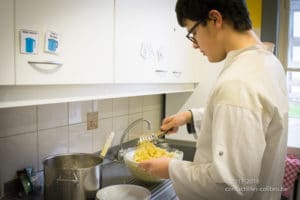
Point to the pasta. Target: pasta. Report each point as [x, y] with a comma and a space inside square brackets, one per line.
[147, 150]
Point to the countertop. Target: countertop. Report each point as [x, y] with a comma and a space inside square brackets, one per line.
[114, 172]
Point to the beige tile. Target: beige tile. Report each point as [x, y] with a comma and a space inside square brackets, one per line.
[17, 120]
[120, 107]
[80, 139]
[137, 130]
[119, 125]
[52, 142]
[100, 135]
[52, 115]
[17, 152]
[152, 102]
[78, 111]
[104, 107]
[135, 104]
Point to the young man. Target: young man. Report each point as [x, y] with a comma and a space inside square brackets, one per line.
[242, 131]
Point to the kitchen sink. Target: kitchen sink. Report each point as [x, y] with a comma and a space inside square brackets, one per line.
[116, 172]
[188, 148]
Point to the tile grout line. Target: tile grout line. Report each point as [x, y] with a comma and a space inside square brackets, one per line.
[37, 137]
[68, 118]
[128, 99]
[17, 134]
[94, 131]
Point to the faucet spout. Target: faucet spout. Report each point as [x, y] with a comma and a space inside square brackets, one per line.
[126, 131]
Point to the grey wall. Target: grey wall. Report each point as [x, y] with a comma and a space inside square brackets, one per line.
[270, 22]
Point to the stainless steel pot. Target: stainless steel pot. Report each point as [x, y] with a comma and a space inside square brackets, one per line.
[72, 176]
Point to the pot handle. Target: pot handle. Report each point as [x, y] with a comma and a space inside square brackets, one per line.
[75, 180]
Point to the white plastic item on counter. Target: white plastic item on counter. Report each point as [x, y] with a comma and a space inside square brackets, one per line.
[123, 191]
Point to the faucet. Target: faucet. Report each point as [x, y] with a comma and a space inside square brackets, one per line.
[126, 131]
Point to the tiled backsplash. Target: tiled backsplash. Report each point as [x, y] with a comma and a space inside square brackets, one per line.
[29, 134]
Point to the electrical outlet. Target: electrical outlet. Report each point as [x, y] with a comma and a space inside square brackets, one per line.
[92, 120]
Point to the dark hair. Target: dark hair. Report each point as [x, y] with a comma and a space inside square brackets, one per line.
[234, 11]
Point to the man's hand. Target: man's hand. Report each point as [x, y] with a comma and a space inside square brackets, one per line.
[172, 123]
[158, 166]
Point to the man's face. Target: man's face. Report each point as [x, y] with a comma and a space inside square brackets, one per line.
[205, 38]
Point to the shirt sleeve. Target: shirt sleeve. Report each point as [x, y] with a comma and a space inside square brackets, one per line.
[195, 125]
[238, 145]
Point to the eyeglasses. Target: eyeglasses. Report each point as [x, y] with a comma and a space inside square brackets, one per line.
[190, 34]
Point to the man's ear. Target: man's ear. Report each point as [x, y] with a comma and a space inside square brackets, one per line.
[216, 17]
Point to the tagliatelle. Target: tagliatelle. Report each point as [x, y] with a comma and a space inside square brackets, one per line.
[147, 150]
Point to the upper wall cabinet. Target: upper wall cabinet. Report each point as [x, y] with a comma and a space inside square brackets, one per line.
[142, 40]
[7, 70]
[150, 45]
[64, 42]
[186, 60]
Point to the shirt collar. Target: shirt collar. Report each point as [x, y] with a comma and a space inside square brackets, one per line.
[234, 54]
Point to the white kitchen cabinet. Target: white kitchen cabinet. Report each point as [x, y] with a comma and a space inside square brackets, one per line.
[142, 42]
[7, 70]
[150, 45]
[85, 30]
[186, 60]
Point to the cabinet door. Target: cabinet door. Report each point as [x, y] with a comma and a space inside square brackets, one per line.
[142, 40]
[186, 60]
[85, 30]
[7, 70]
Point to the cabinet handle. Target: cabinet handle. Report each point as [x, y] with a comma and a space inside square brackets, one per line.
[177, 73]
[45, 62]
[160, 70]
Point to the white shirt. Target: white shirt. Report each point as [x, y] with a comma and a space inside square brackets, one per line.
[241, 145]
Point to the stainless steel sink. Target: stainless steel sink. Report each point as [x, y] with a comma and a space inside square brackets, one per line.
[187, 147]
[115, 172]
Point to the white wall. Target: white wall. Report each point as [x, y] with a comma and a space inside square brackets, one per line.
[29, 134]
